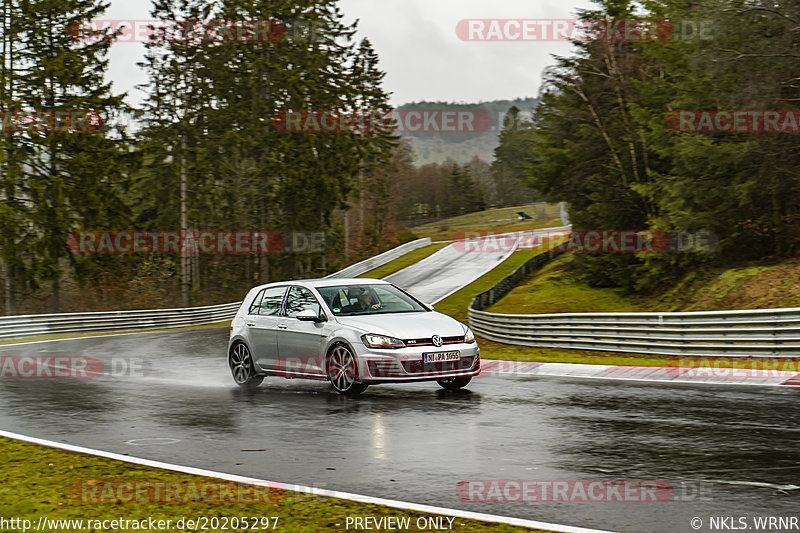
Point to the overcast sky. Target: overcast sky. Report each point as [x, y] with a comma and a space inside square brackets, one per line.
[418, 47]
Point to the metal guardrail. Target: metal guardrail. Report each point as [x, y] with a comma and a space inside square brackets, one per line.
[18, 326]
[374, 262]
[379, 260]
[741, 333]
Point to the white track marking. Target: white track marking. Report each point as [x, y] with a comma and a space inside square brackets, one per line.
[408, 506]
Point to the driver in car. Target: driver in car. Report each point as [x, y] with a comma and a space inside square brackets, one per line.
[365, 302]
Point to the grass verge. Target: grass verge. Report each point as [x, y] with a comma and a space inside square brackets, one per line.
[513, 352]
[559, 288]
[414, 256]
[555, 289]
[448, 233]
[747, 286]
[500, 220]
[40, 481]
[456, 304]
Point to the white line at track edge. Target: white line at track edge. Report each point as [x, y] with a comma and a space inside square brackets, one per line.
[408, 506]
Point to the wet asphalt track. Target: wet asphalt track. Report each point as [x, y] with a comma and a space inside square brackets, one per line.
[732, 447]
[449, 269]
[459, 264]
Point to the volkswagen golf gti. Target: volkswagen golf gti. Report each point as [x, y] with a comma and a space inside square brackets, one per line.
[351, 332]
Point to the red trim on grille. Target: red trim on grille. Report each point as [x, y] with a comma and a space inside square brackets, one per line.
[427, 342]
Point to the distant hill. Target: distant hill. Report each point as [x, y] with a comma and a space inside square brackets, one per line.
[436, 147]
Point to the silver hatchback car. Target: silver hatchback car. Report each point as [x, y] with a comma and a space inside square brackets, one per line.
[351, 332]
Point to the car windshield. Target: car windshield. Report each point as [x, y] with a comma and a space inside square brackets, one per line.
[346, 300]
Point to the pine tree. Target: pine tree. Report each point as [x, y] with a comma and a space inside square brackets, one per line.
[69, 177]
[13, 207]
[465, 195]
[240, 168]
[174, 142]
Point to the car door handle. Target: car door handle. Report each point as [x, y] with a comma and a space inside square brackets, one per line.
[282, 326]
[251, 323]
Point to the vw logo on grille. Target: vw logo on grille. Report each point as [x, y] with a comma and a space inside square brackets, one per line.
[436, 340]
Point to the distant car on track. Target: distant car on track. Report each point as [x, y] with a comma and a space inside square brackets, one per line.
[351, 332]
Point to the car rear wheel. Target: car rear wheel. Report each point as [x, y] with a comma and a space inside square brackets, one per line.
[342, 371]
[242, 369]
[454, 383]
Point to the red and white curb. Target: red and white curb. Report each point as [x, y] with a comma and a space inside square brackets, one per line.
[662, 374]
[408, 506]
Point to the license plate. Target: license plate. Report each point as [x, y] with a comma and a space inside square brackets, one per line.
[440, 356]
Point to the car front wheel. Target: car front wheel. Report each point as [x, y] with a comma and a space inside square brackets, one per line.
[454, 383]
[342, 371]
[242, 369]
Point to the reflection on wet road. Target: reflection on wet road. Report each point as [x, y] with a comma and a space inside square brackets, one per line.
[726, 450]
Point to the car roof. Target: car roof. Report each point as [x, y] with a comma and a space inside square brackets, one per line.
[326, 282]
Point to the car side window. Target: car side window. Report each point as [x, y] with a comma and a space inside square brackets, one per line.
[256, 303]
[301, 299]
[271, 303]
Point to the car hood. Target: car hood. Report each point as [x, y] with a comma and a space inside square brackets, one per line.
[405, 325]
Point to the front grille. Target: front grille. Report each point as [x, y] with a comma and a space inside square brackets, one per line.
[418, 367]
[429, 342]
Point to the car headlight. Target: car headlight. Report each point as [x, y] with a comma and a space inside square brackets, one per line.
[469, 337]
[381, 341]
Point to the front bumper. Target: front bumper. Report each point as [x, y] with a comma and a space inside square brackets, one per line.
[405, 364]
